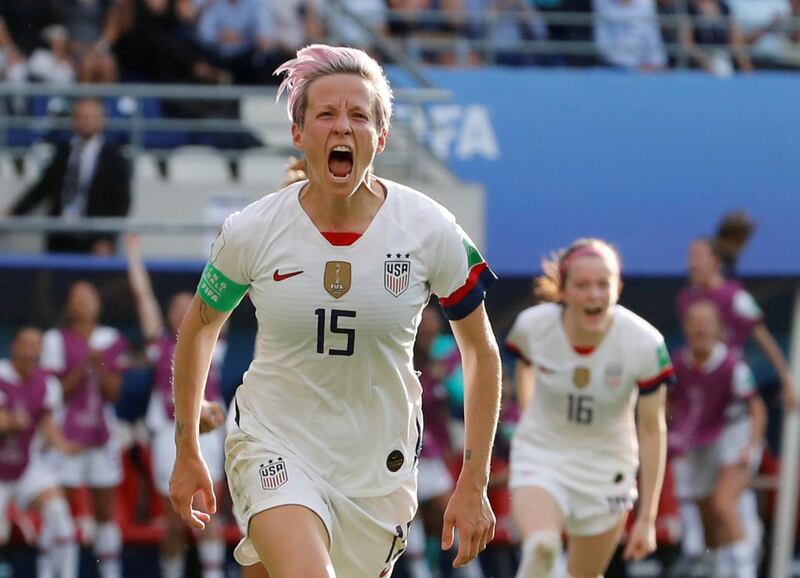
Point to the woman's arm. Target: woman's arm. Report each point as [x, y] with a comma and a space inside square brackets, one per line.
[151, 321]
[525, 382]
[758, 425]
[197, 337]
[652, 430]
[775, 356]
[55, 437]
[468, 510]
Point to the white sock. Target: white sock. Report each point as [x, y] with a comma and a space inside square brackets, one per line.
[415, 551]
[59, 551]
[172, 567]
[540, 553]
[753, 526]
[212, 558]
[693, 542]
[722, 562]
[744, 561]
[107, 548]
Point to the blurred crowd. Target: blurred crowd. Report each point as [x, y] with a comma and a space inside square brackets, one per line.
[242, 41]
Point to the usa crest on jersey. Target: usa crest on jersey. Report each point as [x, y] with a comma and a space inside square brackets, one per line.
[273, 474]
[396, 274]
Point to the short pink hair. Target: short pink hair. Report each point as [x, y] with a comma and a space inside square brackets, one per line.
[319, 60]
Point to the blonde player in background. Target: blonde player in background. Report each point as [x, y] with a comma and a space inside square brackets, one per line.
[584, 362]
[161, 338]
[322, 463]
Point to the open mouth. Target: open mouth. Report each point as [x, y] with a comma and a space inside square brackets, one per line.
[340, 162]
[593, 312]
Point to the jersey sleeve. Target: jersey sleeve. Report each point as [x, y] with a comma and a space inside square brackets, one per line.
[517, 342]
[461, 276]
[226, 277]
[53, 358]
[53, 396]
[746, 307]
[744, 384]
[656, 366]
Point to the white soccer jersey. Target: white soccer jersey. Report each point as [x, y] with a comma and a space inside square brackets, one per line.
[332, 376]
[581, 418]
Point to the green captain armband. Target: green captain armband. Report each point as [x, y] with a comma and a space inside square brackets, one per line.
[218, 291]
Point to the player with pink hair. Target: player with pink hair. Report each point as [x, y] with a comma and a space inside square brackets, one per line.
[322, 456]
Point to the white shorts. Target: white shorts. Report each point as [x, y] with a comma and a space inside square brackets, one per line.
[367, 535]
[434, 479]
[99, 467]
[586, 511]
[162, 455]
[696, 471]
[37, 478]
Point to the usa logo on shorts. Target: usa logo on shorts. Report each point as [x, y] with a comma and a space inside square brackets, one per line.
[397, 273]
[273, 474]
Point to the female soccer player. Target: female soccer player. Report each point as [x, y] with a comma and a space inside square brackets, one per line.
[741, 315]
[717, 431]
[160, 418]
[89, 359]
[322, 464]
[28, 399]
[574, 454]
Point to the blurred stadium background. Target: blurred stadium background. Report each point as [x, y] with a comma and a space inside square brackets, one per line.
[534, 121]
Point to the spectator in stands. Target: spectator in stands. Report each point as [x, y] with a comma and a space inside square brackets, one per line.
[28, 399]
[84, 21]
[297, 23]
[717, 433]
[513, 22]
[239, 35]
[627, 34]
[356, 23]
[160, 419]
[707, 35]
[144, 35]
[89, 359]
[22, 24]
[86, 177]
[434, 30]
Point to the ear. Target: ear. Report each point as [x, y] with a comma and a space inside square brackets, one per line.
[382, 136]
[297, 136]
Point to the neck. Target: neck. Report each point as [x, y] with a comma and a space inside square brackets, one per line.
[347, 214]
[701, 355]
[577, 336]
[83, 328]
[712, 281]
[21, 370]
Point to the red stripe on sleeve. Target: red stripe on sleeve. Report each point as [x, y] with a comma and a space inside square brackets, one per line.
[464, 290]
[663, 376]
[517, 352]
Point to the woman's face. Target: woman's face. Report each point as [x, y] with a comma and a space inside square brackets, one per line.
[83, 303]
[590, 291]
[702, 262]
[177, 309]
[339, 135]
[702, 327]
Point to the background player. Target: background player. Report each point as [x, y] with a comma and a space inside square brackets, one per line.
[28, 399]
[160, 418]
[89, 358]
[717, 430]
[574, 453]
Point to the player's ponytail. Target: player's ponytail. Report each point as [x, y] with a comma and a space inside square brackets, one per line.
[733, 233]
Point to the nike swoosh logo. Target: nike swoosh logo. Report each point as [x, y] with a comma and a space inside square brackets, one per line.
[278, 277]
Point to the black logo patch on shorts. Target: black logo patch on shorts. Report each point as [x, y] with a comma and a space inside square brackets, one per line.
[619, 478]
[273, 474]
[394, 460]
